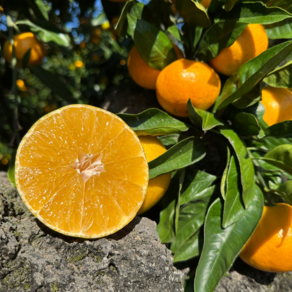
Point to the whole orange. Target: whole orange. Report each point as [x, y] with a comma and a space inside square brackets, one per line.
[278, 105]
[251, 43]
[22, 43]
[157, 186]
[269, 247]
[187, 79]
[144, 75]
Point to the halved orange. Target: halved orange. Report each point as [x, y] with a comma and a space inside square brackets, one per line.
[82, 171]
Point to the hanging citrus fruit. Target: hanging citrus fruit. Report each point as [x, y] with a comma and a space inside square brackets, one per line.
[22, 43]
[251, 43]
[278, 105]
[144, 75]
[269, 247]
[186, 79]
[82, 171]
[157, 186]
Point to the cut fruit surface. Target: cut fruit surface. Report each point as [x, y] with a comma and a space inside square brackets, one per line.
[82, 171]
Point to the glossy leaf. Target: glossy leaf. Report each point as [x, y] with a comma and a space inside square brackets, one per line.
[165, 227]
[52, 81]
[281, 153]
[246, 124]
[193, 13]
[280, 77]
[280, 30]
[183, 154]
[191, 37]
[47, 32]
[201, 118]
[189, 249]
[233, 207]
[225, 173]
[279, 164]
[192, 217]
[171, 139]
[153, 122]
[152, 44]
[173, 30]
[251, 73]
[255, 12]
[283, 4]
[11, 169]
[249, 99]
[245, 163]
[218, 37]
[122, 24]
[280, 130]
[42, 9]
[195, 183]
[228, 4]
[286, 189]
[222, 245]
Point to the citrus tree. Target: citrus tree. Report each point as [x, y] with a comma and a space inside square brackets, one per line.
[221, 70]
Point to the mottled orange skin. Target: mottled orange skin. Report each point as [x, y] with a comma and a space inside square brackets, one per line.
[187, 79]
[157, 186]
[270, 246]
[144, 75]
[251, 43]
[23, 42]
[278, 105]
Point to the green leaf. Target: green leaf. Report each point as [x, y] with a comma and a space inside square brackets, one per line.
[251, 73]
[177, 208]
[282, 153]
[152, 44]
[173, 30]
[285, 5]
[183, 154]
[224, 175]
[189, 249]
[279, 164]
[222, 245]
[286, 190]
[201, 118]
[192, 217]
[249, 99]
[233, 207]
[165, 227]
[11, 169]
[191, 37]
[255, 12]
[171, 139]
[42, 9]
[280, 77]
[52, 81]
[245, 163]
[47, 32]
[193, 13]
[218, 37]
[122, 24]
[280, 130]
[153, 122]
[26, 58]
[279, 30]
[246, 124]
[228, 4]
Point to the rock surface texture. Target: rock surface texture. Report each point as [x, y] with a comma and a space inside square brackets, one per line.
[34, 258]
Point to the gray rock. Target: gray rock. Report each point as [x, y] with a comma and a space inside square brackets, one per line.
[35, 258]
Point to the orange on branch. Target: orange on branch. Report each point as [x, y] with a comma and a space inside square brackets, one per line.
[157, 186]
[278, 105]
[187, 79]
[144, 75]
[22, 43]
[269, 247]
[82, 171]
[251, 43]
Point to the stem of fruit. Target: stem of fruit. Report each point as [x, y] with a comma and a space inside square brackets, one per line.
[15, 137]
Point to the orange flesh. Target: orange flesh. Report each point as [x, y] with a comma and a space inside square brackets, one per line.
[82, 171]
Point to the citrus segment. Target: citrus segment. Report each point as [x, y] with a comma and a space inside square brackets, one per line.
[82, 171]
[269, 247]
[278, 105]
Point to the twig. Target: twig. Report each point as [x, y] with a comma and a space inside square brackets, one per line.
[15, 137]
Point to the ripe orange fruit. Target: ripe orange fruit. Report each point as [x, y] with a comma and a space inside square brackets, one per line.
[278, 105]
[187, 79]
[157, 186]
[206, 3]
[251, 43]
[22, 43]
[82, 171]
[144, 75]
[269, 247]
